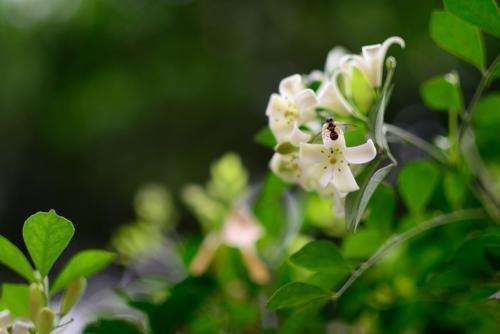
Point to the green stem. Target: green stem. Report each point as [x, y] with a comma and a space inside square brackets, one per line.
[453, 136]
[410, 138]
[398, 239]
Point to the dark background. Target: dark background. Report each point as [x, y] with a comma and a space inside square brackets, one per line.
[98, 97]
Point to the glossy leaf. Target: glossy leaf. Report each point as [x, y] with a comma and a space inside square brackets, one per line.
[320, 256]
[83, 264]
[481, 13]
[416, 183]
[296, 294]
[13, 258]
[458, 37]
[46, 235]
[441, 93]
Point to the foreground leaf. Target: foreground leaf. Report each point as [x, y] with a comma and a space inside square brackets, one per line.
[481, 13]
[296, 294]
[46, 235]
[440, 93]
[13, 258]
[320, 256]
[458, 37]
[265, 138]
[83, 264]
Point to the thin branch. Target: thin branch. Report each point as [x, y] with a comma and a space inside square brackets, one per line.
[398, 239]
[410, 138]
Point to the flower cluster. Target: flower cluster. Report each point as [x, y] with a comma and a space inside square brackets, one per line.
[305, 119]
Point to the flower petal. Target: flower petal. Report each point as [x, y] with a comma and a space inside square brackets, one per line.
[343, 180]
[276, 106]
[298, 136]
[306, 100]
[333, 59]
[373, 57]
[291, 86]
[311, 153]
[361, 154]
[326, 177]
[329, 96]
[328, 142]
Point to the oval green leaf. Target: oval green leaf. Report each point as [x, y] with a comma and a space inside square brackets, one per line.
[296, 294]
[481, 13]
[13, 258]
[83, 264]
[441, 93]
[416, 183]
[46, 235]
[320, 255]
[458, 38]
[15, 299]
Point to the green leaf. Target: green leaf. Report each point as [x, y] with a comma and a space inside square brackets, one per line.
[265, 138]
[381, 209]
[295, 294]
[481, 13]
[416, 183]
[46, 235]
[83, 264]
[320, 256]
[369, 180]
[455, 189]
[458, 37]
[15, 299]
[13, 258]
[361, 244]
[442, 93]
[112, 326]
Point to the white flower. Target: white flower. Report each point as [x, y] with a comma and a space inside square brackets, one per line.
[18, 327]
[333, 60]
[292, 108]
[240, 230]
[371, 60]
[328, 163]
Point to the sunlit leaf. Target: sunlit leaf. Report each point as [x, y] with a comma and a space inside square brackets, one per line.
[416, 183]
[296, 294]
[15, 298]
[320, 256]
[458, 37]
[83, 264]
[482, 13]
[13, 258]
[441, 93]
[46, 235]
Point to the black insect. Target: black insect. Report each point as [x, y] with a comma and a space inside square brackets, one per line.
[332, 128]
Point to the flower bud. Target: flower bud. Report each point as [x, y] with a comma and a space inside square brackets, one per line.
[286, 148]
[72, 295]
[45, 321]
[36, 300]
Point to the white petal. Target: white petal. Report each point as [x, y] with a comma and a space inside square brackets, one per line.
[283, 166]
[338, 203]
[361, 154]
[374, 56]
[306, 100]
[328, 142]
[311, 153]
[21, 327]
[298, 136]
[5, 319]
[326, 177]
[343, 179]
[329, 96]
[333, 59]
[276, 106]
[291, 86]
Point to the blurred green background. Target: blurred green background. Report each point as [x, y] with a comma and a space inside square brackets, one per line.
[99, 97]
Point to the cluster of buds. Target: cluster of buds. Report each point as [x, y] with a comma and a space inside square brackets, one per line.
[311, 149]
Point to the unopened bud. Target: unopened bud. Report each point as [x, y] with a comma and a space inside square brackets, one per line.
[45, 321]
[72, 295]
[36, 300]
[285, 148]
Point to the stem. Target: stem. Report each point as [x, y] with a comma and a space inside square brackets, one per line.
[453, 136]
[398, 239]
[485, 81]
[410, 138]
